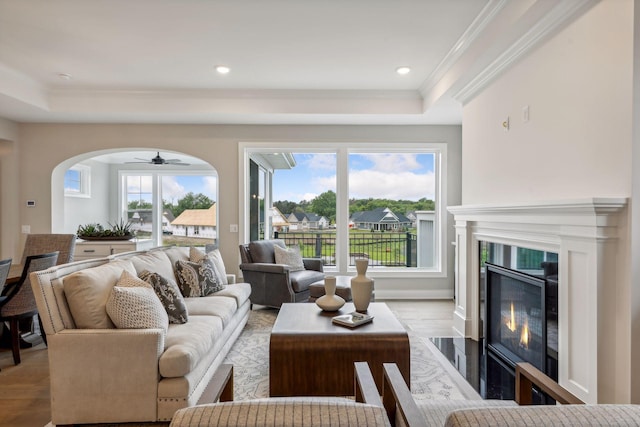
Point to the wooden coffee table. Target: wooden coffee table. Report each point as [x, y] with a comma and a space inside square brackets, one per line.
[310, 356]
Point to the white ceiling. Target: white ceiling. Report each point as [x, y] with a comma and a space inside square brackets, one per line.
[292, 61]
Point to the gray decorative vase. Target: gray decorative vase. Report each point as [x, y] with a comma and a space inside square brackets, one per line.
[361, 286]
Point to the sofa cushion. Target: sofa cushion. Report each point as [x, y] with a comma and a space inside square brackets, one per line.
[289, 256]
[213, 305]
[169, 295]
[187, 344]
[262, 250]
[154, 261]
[196, 255]
[300, 280]
[238, 291]
[87, 292]
[133, 304]
[198, 278]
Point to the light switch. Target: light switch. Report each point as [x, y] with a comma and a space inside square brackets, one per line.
[233, 228]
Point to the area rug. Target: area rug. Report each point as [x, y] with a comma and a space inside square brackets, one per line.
[431, 377]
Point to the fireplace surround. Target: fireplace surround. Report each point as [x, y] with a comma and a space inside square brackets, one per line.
[593, 324]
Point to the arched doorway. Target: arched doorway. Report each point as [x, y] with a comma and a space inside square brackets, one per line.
[164, 196]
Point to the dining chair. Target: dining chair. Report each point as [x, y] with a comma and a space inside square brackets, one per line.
[18, 302]
[37, 244]
[5, 265]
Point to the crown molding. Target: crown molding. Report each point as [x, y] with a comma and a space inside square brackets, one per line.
[565, 12]
[484, 18]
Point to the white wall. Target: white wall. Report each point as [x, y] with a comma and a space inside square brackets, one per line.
[577, 142]
[45, 146]
[96, 207]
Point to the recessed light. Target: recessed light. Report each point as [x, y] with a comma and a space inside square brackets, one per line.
[65, 76]
[223, 69]
[403, 70]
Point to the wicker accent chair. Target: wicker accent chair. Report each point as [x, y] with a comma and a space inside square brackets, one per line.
[17, 301]
[365, 410]
[274, 284]
[37, 244]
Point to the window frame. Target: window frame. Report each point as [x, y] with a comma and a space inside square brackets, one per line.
[156, 194]
[85, 182]
[342, 151]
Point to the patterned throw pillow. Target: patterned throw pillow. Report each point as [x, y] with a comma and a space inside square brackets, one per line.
[289, 256]
[197, 279]
[170, 296]
[133, 304]
[196, 255]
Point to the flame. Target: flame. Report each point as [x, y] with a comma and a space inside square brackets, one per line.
[511, 324]
[525, 335]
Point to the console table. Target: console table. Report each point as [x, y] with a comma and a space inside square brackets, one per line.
[310, 356]
[100, 249]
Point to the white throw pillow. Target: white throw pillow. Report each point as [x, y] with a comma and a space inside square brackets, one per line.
[289, 256]
[133, 304]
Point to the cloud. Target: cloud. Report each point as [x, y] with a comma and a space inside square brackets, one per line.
[171, 189]
[211, 185]
[385, 185]
[390, 162]
[320, 161]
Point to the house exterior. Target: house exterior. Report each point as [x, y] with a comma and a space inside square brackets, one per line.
[306, 221]
[142, 220]
[381, 219]
[196, 223]
[278, 220]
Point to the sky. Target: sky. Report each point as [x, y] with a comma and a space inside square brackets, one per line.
[396, 176]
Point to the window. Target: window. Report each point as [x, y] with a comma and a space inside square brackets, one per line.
[351, 201]
[171, 209]
[77, 181]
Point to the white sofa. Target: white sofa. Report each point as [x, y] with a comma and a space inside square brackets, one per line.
[103, 374]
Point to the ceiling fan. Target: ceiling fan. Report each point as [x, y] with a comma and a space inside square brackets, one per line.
[157, 160]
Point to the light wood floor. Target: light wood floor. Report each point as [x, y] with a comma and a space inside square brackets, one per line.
[24, 389]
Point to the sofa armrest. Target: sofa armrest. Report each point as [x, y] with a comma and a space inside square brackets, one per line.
[93, 371]
[313, 264]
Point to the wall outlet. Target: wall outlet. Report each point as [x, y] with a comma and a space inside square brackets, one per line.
[233, 228]
[26, 229]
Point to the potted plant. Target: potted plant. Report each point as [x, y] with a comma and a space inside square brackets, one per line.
[95, 231]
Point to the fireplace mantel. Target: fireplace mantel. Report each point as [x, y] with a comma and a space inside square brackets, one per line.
[588, 235]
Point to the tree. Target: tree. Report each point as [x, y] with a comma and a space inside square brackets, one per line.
[325, 205]
[139, 205]
[191, 201]
[286, 207]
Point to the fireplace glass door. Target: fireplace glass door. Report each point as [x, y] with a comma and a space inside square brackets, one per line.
[516, 324]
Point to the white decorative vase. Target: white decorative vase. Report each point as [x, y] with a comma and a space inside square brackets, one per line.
[330, 301]
[361, 286]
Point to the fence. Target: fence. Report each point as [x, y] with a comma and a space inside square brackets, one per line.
[389, 249]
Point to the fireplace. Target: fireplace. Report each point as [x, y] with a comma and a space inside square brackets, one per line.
[516, 323]
[592, 288]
